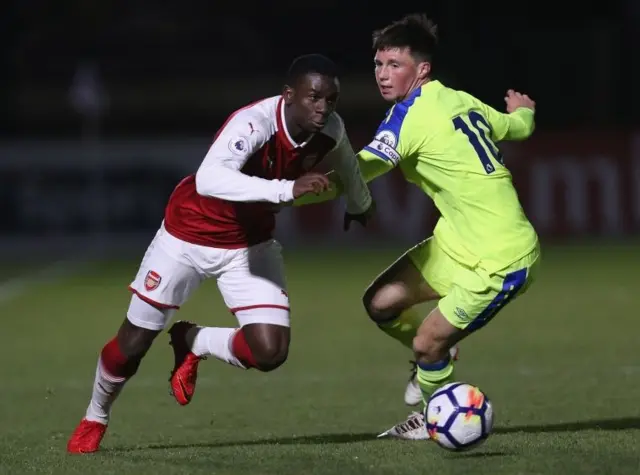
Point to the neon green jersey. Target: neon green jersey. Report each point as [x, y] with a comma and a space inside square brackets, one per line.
[444, 140]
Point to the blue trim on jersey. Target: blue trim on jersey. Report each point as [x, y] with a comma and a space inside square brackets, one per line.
[385, 143]
[513, 282]
[394, 121]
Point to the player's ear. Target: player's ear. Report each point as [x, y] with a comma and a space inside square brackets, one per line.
[424, 68]
[288, 94]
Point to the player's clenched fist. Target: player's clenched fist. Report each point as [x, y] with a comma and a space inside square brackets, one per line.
[311, 182]
[515, 99]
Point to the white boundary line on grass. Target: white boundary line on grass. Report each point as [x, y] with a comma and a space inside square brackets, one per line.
[15, 287]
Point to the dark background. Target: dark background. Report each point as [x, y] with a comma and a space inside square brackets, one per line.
[107, 105]
[181, 67]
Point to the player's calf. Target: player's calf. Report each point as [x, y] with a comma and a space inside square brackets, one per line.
[263, 346]
[119, 361]
[134, 342]
[436, 336]
[430, 347]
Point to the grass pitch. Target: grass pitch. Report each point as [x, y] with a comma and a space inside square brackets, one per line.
[561, 365]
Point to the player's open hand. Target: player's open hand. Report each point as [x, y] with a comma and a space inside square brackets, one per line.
[362, 218]
[311, 182]
[515, 99]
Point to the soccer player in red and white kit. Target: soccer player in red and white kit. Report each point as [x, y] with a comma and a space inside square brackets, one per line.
[218, 224]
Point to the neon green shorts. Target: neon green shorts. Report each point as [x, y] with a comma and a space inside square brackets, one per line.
[471, 297]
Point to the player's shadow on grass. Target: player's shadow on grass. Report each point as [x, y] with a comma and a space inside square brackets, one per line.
[622, 423]
[320, 439]
[344, 438]
[347, 438]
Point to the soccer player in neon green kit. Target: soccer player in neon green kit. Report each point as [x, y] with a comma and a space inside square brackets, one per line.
[484, 251]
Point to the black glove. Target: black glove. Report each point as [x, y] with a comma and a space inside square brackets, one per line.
[362, 218]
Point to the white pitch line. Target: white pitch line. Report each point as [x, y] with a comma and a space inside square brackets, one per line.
[11, 289]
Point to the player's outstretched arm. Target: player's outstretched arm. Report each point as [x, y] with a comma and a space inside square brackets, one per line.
[517, 124]
[347, 176]
[369, 167]
[372, 166]
[334, 191]
[219, 175]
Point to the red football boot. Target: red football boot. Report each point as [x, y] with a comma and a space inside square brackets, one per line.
[86, 438]
[185, 370]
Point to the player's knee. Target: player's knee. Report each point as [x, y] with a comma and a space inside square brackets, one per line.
[135, 341]
[121, 356]
[270, 354]
[269, 346]
[378, 304]
[430, 349]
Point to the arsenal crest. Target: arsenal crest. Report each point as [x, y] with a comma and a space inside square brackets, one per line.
[152, 280]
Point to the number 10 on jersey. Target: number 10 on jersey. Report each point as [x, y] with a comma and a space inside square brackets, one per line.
[478, 131]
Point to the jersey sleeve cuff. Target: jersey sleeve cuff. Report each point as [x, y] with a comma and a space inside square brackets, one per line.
[286, 192]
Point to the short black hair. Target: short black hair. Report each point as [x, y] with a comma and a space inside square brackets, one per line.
[414, 31]
[310, 63]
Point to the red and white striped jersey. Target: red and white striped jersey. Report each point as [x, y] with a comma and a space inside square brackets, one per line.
[250, 168]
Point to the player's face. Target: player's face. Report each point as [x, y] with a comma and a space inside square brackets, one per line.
[398, 73]
[313, 100]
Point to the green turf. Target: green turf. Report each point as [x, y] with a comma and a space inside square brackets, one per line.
[561, 365]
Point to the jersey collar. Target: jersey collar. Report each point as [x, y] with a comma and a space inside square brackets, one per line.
[431, 85]
[281, 128]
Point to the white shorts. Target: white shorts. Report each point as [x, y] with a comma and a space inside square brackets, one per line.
[251, 280]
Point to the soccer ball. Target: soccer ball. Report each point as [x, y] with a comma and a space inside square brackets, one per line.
[459, 416]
